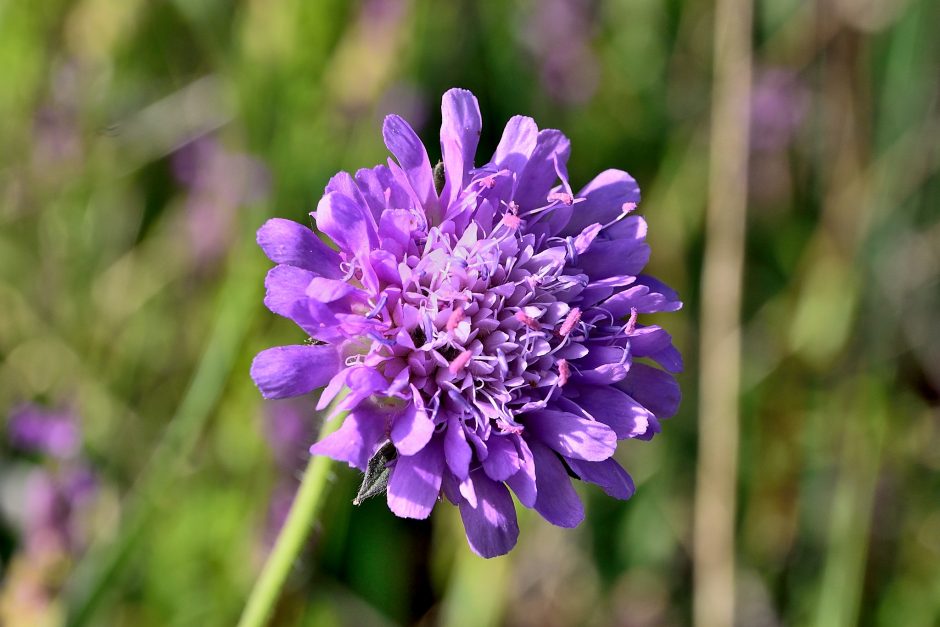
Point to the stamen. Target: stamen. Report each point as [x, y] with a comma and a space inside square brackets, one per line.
[631, 323]
[574, 316]
[381, 340]
[488, 181]
[509, 426]
[564, 372]
[455, 318]
[378, 307]
[626, 354]
[562, 344]
[500, 409]
[528, 320]
[626, 209]
[562, 197]
[459, 362]
[351, 265]
[512, 221]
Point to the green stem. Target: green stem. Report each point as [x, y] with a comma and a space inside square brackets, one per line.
[303, 512]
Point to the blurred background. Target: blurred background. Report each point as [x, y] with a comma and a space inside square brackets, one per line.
[142, 143]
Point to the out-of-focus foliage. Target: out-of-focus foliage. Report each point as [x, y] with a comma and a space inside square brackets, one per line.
[142, 143]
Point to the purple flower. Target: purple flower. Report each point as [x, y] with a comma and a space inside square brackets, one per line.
[289, 427]
[39, 430]
[54, 502]
[779, 103]
[484, 320]
[219, 183]
[568, 73]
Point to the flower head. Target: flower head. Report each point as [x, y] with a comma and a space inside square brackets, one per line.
[60, 486]
[483, 321]
[38, 430]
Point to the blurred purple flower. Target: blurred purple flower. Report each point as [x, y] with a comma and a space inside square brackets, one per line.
[288, 426]
[484, 320]
[39, 430]
[53, 500]
[52, 492]
[57, 138]
[218, 184]
[779, 101]
[279, 506]
[406, 99]
[558, 33]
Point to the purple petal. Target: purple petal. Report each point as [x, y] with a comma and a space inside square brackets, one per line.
[357, 440]
[654, 342]
[570, 435]
[491, 526]
[586, 237]
[404, 143]
[397, 225]
[329, 290]
[640, 298]
[332, 389]
[380, 190]
[608, 474]
[468, 491]
[604, 374]
[557, 500]
[616, 409]
[607, 258]
[411, 430]
[523, 483]
[362, 382]
[346, 223]
[653, 388]
[502, 460]
[285, 371]
[416, 482]
[632, 228]
[646, 341]
[658, 287]
[669, 358]
[517, 144]
[456, 449]
[539, 175]
[604, 198]
[291, 243]
[343, 183]
[600, 289]
[460, 134]
[285, 286]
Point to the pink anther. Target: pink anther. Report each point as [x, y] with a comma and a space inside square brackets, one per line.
[574, 316]
[459, 362]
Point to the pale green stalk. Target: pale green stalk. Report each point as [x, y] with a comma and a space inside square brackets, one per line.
[303, 512]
